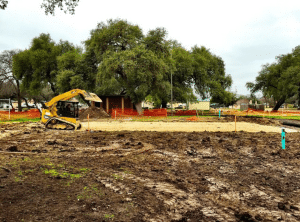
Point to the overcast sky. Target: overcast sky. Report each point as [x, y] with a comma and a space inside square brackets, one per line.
[245, 34]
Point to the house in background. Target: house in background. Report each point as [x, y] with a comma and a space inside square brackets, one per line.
[177, 105]
[147, 105]
[240, 102]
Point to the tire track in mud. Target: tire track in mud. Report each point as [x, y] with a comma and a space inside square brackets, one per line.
[178, 201]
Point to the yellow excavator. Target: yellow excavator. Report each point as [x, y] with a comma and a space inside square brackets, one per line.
[59, 113]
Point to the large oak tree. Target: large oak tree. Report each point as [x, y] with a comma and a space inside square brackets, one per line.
[279, 80]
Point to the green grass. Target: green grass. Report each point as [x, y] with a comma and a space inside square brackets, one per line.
[89, 191]
[21, 120]
[278, 117]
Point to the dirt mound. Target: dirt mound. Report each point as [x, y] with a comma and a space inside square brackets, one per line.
[94, 113]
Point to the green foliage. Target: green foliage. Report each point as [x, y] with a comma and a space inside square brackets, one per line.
[37, 66]
[115, 36]
[108, 216]
[156, 42]
[209, 73]
[225, 97]
[137, 71]
[89, 192]
[119, 60]
[50, 5]
[279, 80]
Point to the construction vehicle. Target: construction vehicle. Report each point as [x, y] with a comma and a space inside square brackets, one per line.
[59, 113]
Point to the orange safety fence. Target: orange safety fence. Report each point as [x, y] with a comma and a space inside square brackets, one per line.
[116, 113]
[30, 114]
[185, 113]
[155, 112]
[194, 118]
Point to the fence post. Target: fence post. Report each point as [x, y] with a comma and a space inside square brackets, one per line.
[235, 122]
[283, 138]
[88, 117]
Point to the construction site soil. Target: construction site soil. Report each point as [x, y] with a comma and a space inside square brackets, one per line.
[94, 113]
[48, 175]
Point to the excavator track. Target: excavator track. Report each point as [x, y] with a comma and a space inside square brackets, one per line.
[59, 124]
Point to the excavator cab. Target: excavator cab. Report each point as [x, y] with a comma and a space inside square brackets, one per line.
[67, 109]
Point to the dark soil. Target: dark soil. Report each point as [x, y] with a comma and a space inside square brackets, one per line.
[48, 175]
[94, 113]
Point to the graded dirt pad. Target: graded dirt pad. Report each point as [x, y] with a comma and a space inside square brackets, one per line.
[94, 113]
[48, 175]
[213, 124]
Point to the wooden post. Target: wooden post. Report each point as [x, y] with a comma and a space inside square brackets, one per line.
[235, 122]
[197, 112]
[88, 117]
[107, 104]
[115, 114]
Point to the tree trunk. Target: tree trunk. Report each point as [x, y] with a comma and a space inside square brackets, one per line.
[279, 103]
[26, 103]
[19, 96]
[164, 105]
[138, 107]
[53, 89]
[40, 110]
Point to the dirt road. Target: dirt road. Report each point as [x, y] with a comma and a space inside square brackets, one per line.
[48, 175]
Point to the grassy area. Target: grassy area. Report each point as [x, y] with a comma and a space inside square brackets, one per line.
[21, 120]
[278, 117]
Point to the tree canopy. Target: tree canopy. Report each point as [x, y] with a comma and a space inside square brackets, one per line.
[118, 59]
[50, 5]
[279, 80]
[37, 66]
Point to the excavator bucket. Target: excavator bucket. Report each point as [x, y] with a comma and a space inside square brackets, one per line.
[91, 97]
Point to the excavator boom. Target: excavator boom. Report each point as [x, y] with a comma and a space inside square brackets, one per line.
[72, 93]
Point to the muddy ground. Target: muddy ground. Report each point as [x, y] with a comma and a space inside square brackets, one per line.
[48, 175]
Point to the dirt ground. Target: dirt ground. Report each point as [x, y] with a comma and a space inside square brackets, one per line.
[48, 175]
[93, 112]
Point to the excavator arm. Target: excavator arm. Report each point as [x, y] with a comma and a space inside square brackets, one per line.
[72, 93]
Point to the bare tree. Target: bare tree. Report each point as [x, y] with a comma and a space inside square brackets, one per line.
[7, 76]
